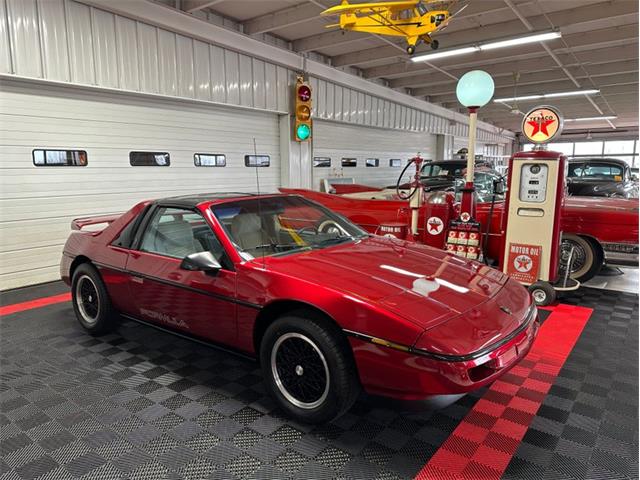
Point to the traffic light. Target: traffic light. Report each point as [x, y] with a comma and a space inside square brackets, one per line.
[302, 128]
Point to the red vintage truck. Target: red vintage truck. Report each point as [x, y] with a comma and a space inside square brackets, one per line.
[601, 230]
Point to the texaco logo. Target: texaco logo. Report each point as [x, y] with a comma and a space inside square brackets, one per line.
[435, 226]
[465, 217]
[541, 124]
[523, 263]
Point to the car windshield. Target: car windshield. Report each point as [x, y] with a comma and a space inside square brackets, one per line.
[275, 226]
[442, 170]
[484, 179]
[484, 182]
[596, 170]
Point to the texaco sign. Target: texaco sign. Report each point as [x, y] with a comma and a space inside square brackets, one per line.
[542, 124]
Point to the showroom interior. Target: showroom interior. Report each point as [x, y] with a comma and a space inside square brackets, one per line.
[313, 239]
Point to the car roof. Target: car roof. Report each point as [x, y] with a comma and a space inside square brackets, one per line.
[461, 161]
[193, 200]
[598, 159]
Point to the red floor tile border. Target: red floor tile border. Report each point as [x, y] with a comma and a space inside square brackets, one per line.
[37, 303]
[482, 445]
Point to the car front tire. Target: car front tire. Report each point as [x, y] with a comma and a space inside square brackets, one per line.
[91, 302]
[308, 368]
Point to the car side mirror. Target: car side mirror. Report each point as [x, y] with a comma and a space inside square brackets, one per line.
[201, 261]
[499, 187]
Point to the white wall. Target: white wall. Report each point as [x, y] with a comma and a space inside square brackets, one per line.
[336, 141]
[72, 42]
[110, 77]
[37, 204]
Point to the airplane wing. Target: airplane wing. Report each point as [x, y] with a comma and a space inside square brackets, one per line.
[444, 24]
[369, 8]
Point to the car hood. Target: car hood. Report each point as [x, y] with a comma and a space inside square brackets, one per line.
[424, 285]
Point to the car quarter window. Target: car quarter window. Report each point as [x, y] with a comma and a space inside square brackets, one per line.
[177, 232]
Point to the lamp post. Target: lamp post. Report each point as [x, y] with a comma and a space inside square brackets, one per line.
[474, 90]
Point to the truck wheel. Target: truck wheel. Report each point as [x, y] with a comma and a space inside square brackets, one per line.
[587, 256]
[91, 301]
[542, 293]
[308, 368]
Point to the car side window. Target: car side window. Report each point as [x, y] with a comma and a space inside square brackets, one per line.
[177, 233]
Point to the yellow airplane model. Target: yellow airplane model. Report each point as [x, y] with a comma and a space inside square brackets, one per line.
[410, 19]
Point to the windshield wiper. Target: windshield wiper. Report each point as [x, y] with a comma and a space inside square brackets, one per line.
[278, 246]
[336, 240]
[281, 248]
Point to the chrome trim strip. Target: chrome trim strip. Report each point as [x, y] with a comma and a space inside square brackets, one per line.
[140, 277]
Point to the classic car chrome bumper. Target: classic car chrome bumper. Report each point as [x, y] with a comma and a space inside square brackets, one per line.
[620, 254]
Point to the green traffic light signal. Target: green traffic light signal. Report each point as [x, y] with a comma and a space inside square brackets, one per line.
[303, 131]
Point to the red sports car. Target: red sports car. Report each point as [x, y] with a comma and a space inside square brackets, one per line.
[327, 308]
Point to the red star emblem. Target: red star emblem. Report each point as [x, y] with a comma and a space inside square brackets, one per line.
[523, 263]
[540, 125]
[434, 226]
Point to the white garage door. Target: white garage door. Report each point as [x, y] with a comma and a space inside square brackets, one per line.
[37, 203]
[336, 141]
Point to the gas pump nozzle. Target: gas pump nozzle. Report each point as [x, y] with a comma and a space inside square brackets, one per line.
[415, 201]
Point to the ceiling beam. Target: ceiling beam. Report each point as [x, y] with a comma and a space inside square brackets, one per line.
[329, 39]
[547, 49]
[568, 19]
[191, 6]
[282, 18]
[567, 112]
[598, 39]
[539, 76]
[525, 67]
[600, 43]
[477, 13]
[557, 84]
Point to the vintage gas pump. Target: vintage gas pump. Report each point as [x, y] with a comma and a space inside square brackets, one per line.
[536, 190]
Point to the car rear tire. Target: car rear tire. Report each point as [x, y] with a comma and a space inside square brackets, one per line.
[91, 302]
[308, 368]
[588, 257]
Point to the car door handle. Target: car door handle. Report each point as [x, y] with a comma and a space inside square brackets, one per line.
[135, 279]
[175, 276]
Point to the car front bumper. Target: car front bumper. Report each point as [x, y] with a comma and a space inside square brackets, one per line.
[620, 254]
[408, 376]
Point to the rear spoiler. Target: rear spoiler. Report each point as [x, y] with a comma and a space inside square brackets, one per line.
[80, 223]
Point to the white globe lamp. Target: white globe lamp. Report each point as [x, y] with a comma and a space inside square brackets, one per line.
[474, 90]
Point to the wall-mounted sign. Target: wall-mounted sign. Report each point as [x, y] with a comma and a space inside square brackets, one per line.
[542, 124]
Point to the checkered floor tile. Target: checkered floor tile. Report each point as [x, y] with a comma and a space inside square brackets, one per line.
[139, 403]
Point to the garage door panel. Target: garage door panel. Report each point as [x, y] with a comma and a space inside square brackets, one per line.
[56, 189]
[34, 233]
[38, 203]
[104, 133]
[336, 141]
[99, 107]
[29, 277]
[20, 260]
